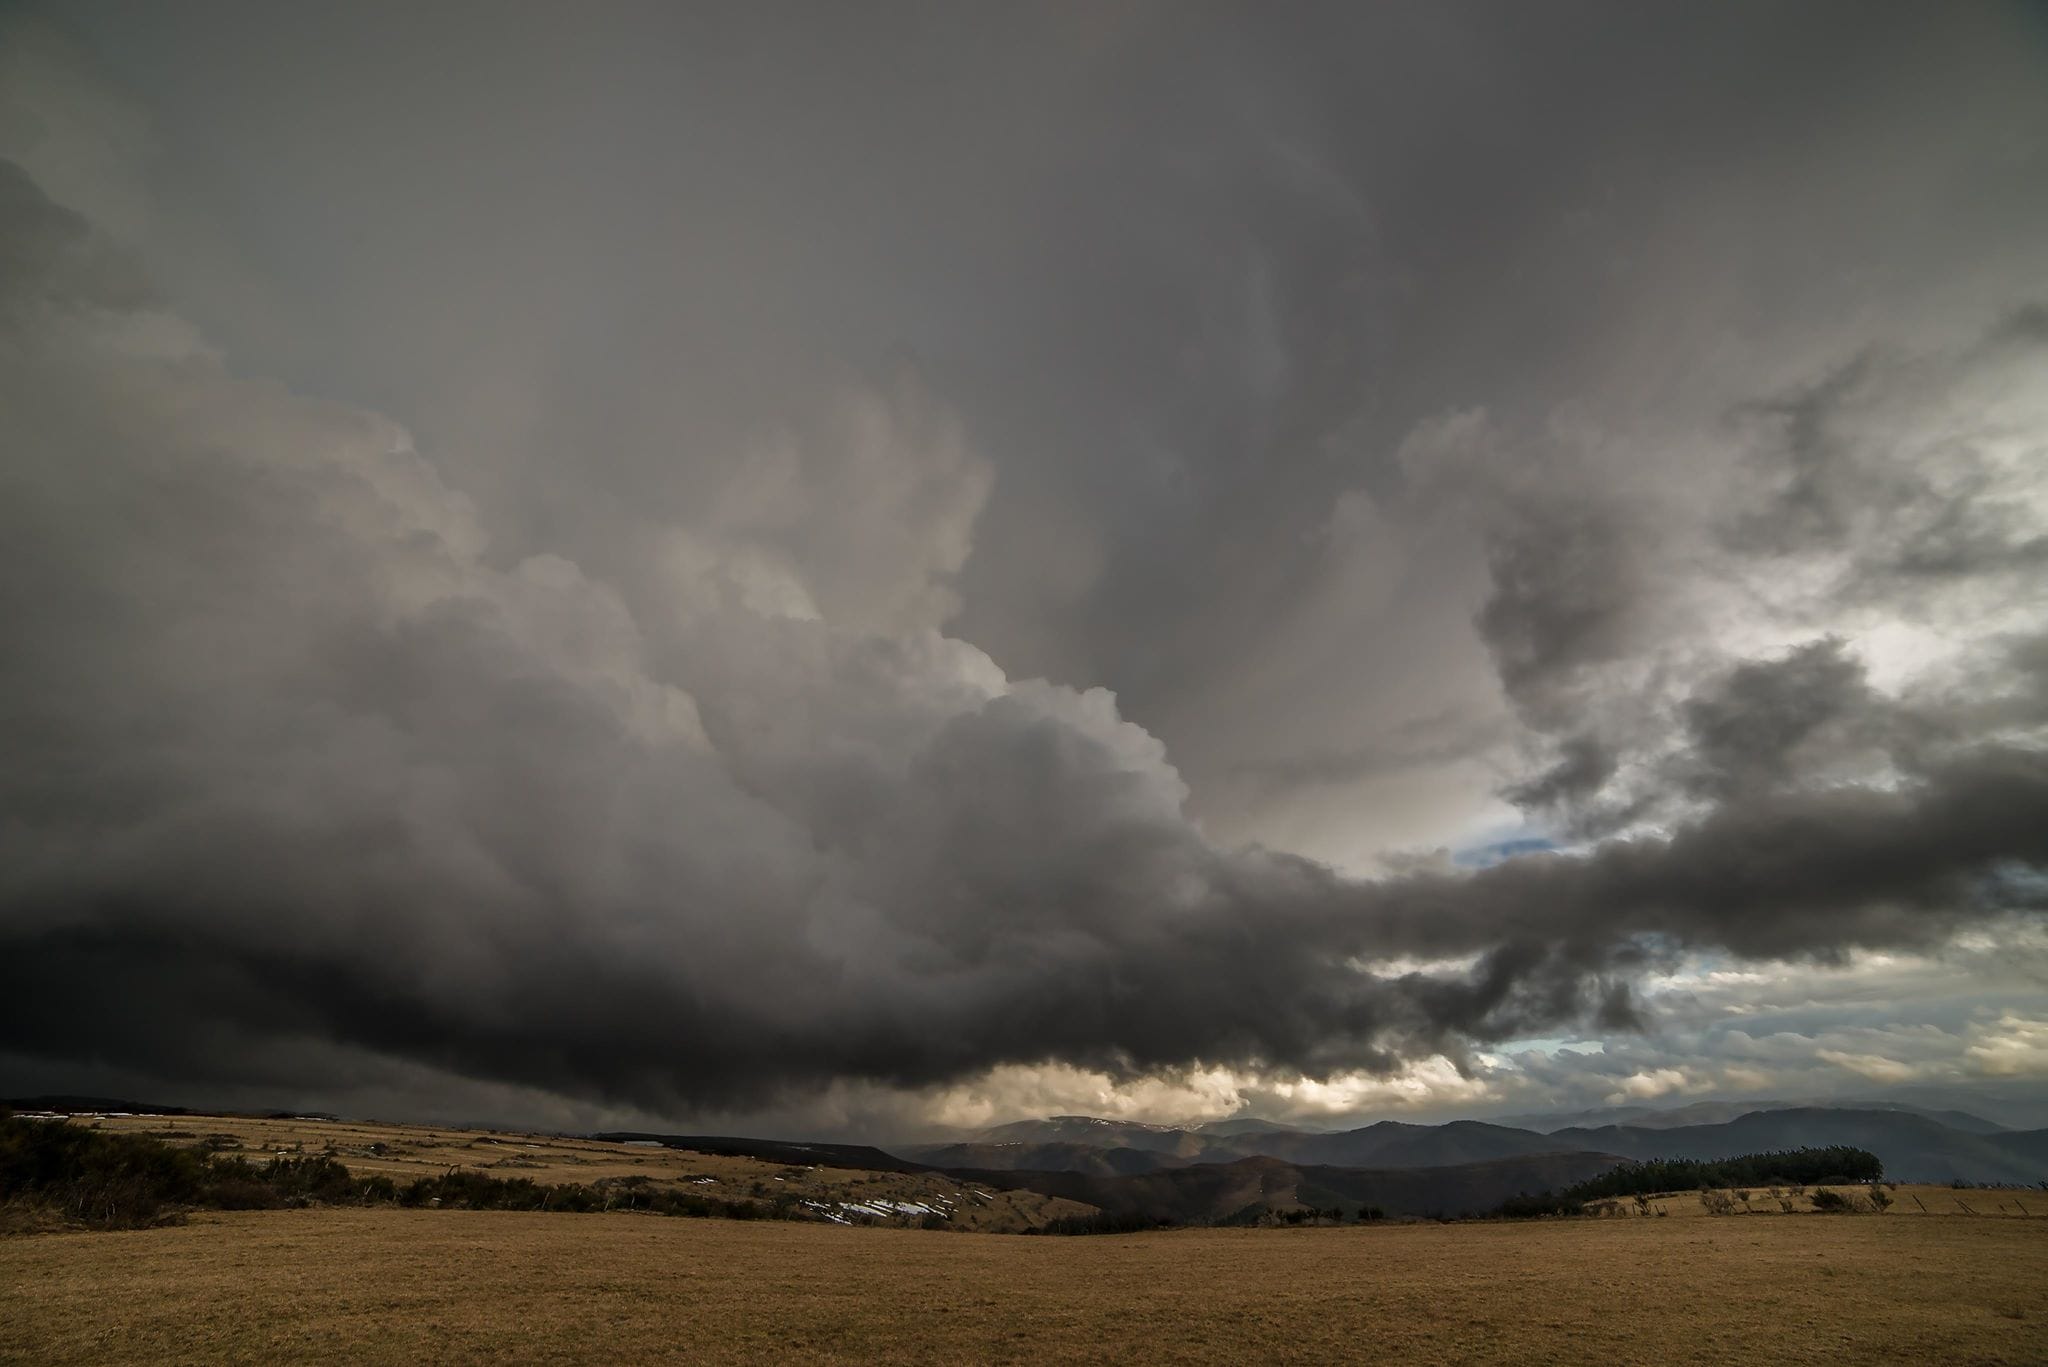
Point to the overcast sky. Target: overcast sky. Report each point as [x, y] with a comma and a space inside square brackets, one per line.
[851, 569]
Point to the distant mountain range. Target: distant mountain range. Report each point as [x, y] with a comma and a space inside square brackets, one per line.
[1915, 1144]
[1719, 1112]
[1249, 1125]
[1251, 1188]
[1065, 1143]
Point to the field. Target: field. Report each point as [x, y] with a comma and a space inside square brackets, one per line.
[403, 1152]
[455, 1286]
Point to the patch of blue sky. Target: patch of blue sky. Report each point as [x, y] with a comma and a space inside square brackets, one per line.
[2015, 884]
[1486, 855]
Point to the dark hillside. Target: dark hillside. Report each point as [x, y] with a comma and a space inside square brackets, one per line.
[1210, 1193]
[774, 1150]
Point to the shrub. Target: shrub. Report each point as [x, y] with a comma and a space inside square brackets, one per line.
[1717, 1202]
[1827, 1199]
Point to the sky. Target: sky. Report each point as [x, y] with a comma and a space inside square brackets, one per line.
[862, 571]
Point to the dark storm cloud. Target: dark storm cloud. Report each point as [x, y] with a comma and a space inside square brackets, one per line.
[1567, 588]
[1746, 732]
[1289, 379]
[1583, 767]
[1188, 273]
[304, 767]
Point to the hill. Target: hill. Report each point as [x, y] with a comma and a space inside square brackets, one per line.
[1248, 1189]
[1721, 1112]
[1091, 1132]
[1387, 1144]
[1397, 1144]
[1248, 1125]
[861, 1156]
[1915, 1145]
[1082, 1158]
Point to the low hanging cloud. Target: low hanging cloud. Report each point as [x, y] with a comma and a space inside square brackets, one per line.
[301, 768]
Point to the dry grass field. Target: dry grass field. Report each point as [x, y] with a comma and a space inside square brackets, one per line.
[403, 1152]
[455, 1286]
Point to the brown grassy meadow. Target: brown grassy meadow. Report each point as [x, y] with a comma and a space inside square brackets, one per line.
[456, 1286]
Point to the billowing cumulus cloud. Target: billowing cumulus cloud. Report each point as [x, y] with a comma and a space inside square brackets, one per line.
[689, 704]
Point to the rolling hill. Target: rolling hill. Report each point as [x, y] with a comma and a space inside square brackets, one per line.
[1091, 1132]
[1078, 1148]
[1720, 1112]
[860, 1156]
[1083, 1158]
[1245, 1190]
[1915, 1145]
[1397, 1144]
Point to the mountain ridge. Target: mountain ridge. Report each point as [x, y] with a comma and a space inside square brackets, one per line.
[1718, 1112]
[1913, 1145]
[1252, 1187]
